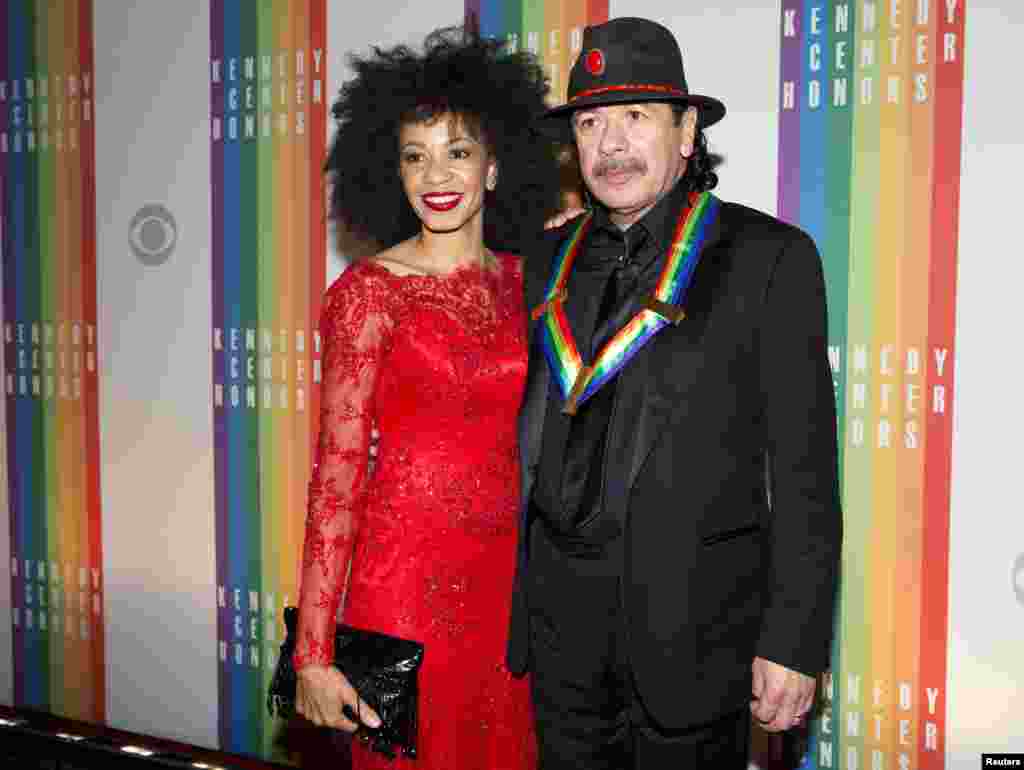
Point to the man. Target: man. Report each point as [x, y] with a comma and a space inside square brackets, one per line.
[681, 524]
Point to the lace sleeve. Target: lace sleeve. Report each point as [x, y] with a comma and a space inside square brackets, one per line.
[355, 326]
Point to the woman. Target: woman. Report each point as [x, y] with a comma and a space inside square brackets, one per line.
[434, 159]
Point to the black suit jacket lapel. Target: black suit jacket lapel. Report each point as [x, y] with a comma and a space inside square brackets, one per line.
[664, 371]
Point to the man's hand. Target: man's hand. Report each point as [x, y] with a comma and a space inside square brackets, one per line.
[782, 697]
[562, 217]
[322, 694]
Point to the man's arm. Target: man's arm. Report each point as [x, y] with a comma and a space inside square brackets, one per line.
[805, 527]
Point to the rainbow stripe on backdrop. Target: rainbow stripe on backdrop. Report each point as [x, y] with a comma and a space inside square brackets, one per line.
[553, 29]
[47, 175]
[869, 159]
[268, 141]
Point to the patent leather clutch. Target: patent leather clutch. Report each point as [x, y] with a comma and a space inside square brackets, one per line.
[383, 670]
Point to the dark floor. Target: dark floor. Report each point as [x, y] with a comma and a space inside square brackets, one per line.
[35, 745]
[309, 747]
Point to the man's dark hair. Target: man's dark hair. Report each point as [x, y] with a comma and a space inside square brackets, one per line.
[700, 165]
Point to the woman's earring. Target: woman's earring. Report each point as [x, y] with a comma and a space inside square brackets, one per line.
[492, 179]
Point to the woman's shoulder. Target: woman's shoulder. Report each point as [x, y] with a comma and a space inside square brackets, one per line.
[358, 276]
[364, 285]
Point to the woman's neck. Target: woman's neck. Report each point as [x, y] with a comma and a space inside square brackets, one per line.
[443, 252]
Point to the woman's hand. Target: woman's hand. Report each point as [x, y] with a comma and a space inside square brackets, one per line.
[321, 697]
[562, 217]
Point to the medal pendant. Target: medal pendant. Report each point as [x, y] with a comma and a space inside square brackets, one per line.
[577, 390]
[670, 313]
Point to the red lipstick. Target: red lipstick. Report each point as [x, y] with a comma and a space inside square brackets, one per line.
[441, 201]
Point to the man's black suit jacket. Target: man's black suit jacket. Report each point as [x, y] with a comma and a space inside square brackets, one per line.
[722, 459]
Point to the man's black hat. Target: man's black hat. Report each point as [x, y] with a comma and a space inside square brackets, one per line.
[623, 61]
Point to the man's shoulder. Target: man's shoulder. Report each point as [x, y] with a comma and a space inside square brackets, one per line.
[743, 223]
[540, 250]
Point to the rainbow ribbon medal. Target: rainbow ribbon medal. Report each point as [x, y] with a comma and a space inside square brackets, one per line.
[578, 382]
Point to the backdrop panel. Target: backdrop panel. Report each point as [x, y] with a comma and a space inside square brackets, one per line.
[6, 629]
[869, 164]
[153, 236]
[986, 560]
[270, 90]
[551, 29]
[50, 337]
[268, 115]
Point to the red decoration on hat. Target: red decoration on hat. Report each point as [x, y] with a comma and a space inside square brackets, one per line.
[594, 62]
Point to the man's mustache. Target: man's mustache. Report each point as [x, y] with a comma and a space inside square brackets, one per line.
[618, 165]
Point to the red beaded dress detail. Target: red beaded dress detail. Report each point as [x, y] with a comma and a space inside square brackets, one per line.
[438, 365]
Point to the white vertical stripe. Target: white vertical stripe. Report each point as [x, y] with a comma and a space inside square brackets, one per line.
[152, 146]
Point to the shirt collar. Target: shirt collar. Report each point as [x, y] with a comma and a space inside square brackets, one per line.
[659, 222]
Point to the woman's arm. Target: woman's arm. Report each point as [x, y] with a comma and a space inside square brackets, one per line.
[355, 326]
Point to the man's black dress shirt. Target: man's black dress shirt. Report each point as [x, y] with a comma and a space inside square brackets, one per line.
[569, 491]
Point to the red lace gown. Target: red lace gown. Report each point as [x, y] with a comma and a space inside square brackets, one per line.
[438, 364]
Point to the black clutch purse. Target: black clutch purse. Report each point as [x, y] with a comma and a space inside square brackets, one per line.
[383, 669]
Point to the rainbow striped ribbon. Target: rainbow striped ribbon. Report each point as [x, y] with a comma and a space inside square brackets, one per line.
[579, 382]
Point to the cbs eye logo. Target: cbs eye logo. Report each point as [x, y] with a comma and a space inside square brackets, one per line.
[153, 234]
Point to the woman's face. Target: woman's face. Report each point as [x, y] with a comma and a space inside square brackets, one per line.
[445, 173]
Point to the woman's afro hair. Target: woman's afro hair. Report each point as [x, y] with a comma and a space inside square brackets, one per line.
[493, 93]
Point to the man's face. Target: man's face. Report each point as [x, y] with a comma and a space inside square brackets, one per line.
[632, 154]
